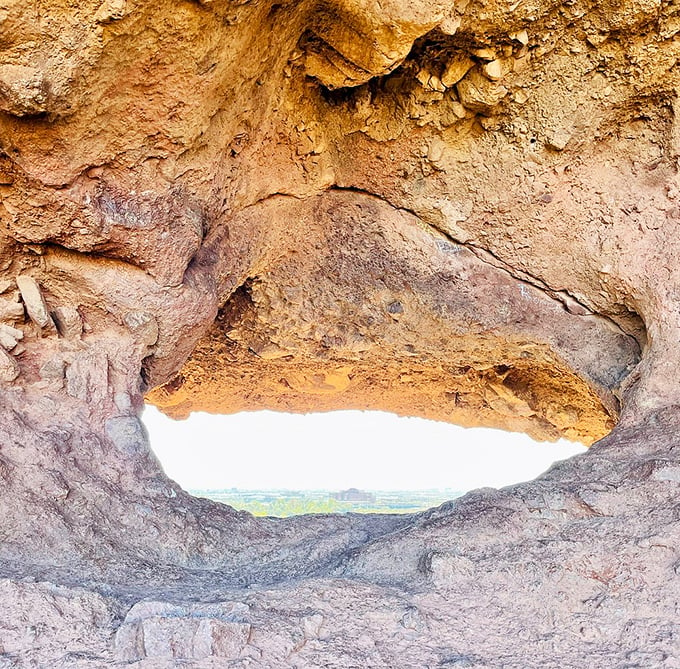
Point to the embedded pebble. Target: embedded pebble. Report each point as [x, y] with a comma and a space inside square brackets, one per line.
[68, 321]
[9, 336]
[478, 93]
[493, 70]
[456, 69]
[34, 301]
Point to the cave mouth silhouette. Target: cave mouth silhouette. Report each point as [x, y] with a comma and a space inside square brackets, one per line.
[279, 464]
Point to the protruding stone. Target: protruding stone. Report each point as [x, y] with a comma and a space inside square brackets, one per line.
[9, 336]
[521, 36]
[5, 285]
[478, 93]
[54, 370]
[111, 10]
[34, 301]
[9, 368]
[493, 70]
[23, 90]
[173, 632]
[142, 324]
[10, 310]
[456, 69]
[430, 81]
[68, 321]
[127, 434]
[558, 140]
[484, 54]
[450, 25]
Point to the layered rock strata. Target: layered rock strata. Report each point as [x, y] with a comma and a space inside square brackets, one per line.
[460, 210]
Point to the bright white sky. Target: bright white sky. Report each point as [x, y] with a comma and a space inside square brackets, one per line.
[342, 449]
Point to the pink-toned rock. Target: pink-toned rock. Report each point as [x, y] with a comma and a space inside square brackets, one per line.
[313, 206]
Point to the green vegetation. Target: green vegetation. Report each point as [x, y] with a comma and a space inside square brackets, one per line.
[284, 503]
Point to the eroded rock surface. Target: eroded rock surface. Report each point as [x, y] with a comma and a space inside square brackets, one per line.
[461, 210]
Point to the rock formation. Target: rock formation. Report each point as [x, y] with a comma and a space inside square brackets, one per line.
[456, 209]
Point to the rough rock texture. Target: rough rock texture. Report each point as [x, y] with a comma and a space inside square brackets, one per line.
[463, 210]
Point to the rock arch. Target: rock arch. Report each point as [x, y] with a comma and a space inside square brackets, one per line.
[453, 209]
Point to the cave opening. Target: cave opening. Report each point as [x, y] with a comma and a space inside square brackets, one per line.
[281, 464]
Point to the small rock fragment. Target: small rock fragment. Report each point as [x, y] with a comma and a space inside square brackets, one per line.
[9, 336]
[9, 368]
[521, 36]
[493, 70]
[395, 308]
[10, 310]
[484, 54]
[34, 301]
[111, 10]
[436, 84]
[456, 69]
[23, 90]
[311, 625]
[428, 80]
[478, 93]
[68, 321]
[5, 286]
[558, 140]
[142, 324]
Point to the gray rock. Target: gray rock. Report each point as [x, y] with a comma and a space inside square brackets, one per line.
[128, 434]
[54, 369]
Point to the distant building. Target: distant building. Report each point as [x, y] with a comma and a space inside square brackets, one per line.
[353, 495]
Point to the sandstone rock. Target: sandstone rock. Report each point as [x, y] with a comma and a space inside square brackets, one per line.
[456, 69]
[68, 322]
[23, 90]
[9, 368]
[325, 227]
[494, 70]
[11, 310]
[161, 631]
[478, 93]
[34, 301]
[9, 336]
[521, 36]
[484, 54]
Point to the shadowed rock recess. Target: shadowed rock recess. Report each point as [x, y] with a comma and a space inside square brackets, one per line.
[461, 209]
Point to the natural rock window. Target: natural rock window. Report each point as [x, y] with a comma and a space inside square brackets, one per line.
[451, 209]
[306, 463]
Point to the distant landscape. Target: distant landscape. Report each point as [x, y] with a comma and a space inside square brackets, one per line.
[284, 503]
